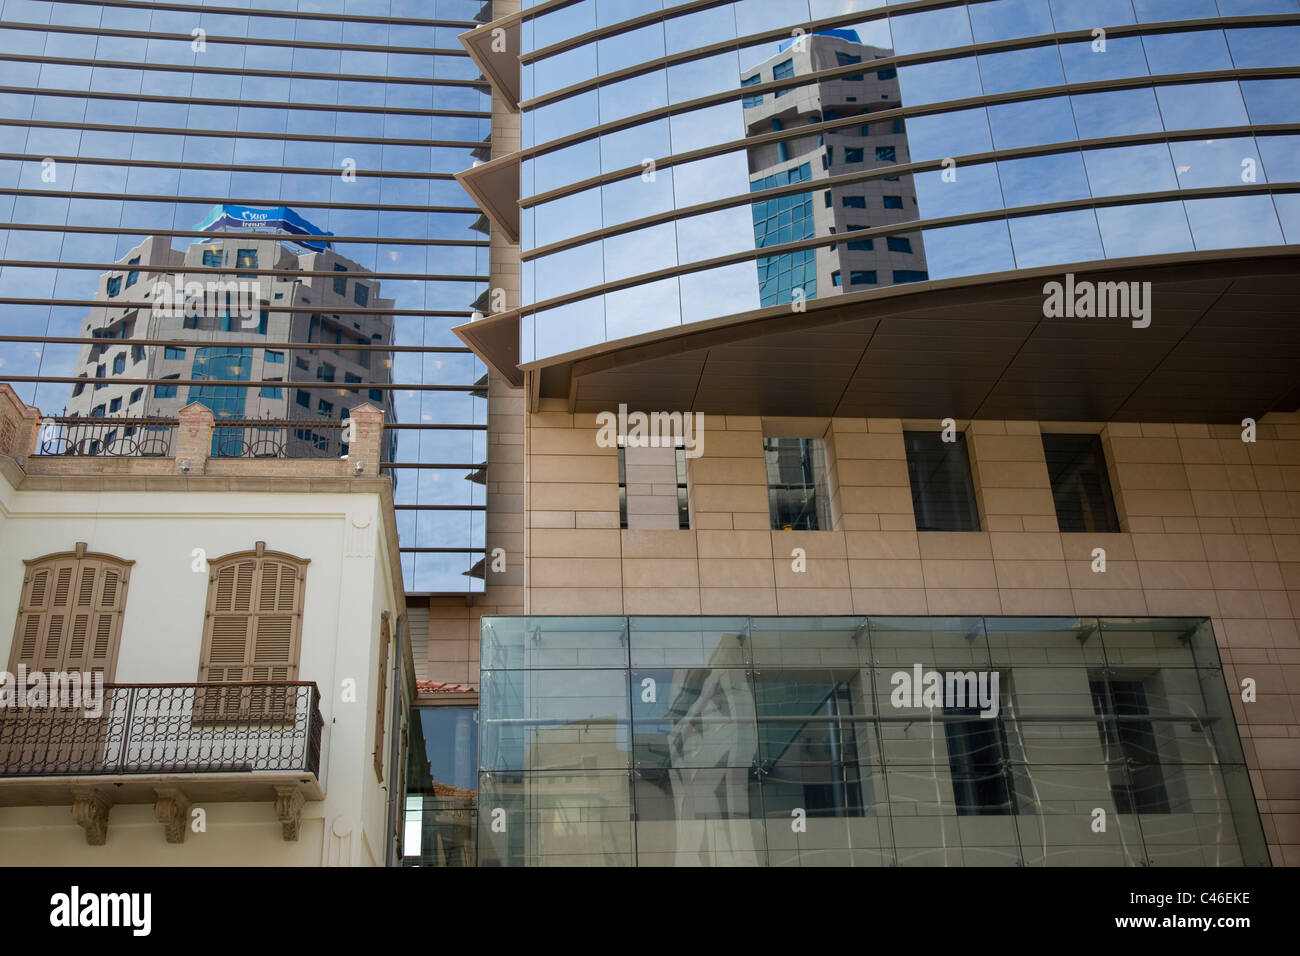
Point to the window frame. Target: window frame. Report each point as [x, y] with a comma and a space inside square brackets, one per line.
[381, 693]
[1105, 487]
[78, 562]
[811, 448]
[222, 706]
[973, 493]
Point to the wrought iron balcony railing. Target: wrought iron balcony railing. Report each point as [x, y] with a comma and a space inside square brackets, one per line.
[106, 437]
[267, 438]
[169, 728]
[154, 437]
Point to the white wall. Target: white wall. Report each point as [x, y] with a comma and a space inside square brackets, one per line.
[348, 584]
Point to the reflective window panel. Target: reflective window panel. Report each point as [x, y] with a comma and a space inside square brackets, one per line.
[855, 741]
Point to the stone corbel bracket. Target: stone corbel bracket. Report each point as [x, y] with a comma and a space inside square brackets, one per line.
[90, 808]
[288, 808]
[172, 810]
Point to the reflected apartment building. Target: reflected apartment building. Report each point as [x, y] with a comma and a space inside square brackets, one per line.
[831, 229]
[215, 323]
[820, 158]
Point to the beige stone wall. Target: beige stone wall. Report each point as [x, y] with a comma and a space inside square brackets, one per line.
[1210, 528]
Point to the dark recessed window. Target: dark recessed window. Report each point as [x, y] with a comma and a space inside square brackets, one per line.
[910, 275]
[276, 358]
[888, 73]
[171, 352]
[683, 491]
[622, 485]
[115, 405]
[858, 245]
[340, 283]
[835, 278]
[376, 395]
[246, 259]
[212, 258]
[165, 391]
[325, 408]
[360, 294]
[898, 244]
[977, 755]
[845, 59]
[134, 274]
[1076, 466]
[943, 494]
[853, 154]
[893, 202]
[136, 396]
[783, 71]
[797, 495]
[749, 102]
[119, 363]
[303, 399]
[886, 154]
[114, 286]
[854, 202]
[1129, 746]
[862, 277]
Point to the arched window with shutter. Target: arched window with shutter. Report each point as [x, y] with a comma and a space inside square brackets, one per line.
[70, 613]
[252, 631]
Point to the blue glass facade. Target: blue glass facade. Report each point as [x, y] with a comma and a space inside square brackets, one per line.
[1006, 135]
[127, 124]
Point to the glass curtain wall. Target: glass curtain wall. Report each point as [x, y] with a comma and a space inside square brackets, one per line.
[858, 741]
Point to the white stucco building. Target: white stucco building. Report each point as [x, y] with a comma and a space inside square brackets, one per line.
[247, 618]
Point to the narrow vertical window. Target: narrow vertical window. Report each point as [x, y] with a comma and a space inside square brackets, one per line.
[381, 695]
[1076, 465]
[796, 484]
[943, 494]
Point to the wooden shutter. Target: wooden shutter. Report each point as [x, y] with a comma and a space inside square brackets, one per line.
[273, 654]
[381, 695]
[69, 619]
[70, 613]
[252, 633]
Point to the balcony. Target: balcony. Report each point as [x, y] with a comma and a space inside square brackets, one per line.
[193, 443]
[172, 745]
